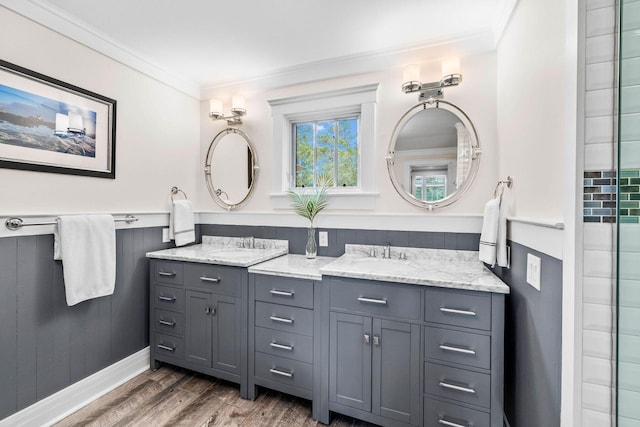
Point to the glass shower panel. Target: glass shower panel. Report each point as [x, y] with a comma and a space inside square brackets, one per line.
[628, 298]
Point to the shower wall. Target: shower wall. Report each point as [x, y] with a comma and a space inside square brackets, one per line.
[628, 267]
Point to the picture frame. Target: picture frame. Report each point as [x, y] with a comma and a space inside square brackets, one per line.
[47, 125]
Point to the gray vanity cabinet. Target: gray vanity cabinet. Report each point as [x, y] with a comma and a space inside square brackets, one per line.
[199, 318]
[283, 336]
[374, 351]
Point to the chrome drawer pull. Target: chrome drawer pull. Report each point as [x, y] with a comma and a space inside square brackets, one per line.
[281, 346]
[450, 424]
[456, 311]
[163, 298]
[284, 374]
[373, 300]
[166, 347]
[281, 293]
[280, 319]
[456, 387]
[210, 279]
[166, 274]
[165, 323]
[456, 349]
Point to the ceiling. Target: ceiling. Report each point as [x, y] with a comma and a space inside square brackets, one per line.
[199, 44]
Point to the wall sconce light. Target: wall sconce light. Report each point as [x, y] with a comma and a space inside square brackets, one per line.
[412, 83]
[216, 110]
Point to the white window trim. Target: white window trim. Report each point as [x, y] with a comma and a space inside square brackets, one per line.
[360, 99]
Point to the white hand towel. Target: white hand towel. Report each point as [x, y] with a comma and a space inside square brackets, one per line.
[86, 244]
[181, 223]
[489, 233]
[501, 239]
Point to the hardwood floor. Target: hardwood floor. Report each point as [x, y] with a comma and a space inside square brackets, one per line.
[176, 397]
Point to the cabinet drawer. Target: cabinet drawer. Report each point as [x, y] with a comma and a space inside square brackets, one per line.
[457, 384]
[285, 371]
[284, 344]
[167, 272]
[458, 347]
[461, 308]
[168, 297]
[168, 345]
[217, 278]
[375, 298]
[284, 290]
[439, 414]
[168, 321]
[284, 318]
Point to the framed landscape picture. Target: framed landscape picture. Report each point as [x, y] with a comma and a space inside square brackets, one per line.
[48, 125]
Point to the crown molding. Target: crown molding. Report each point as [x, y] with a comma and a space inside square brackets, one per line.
[44, 13]
[502, 19]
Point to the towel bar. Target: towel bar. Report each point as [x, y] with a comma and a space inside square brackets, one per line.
[176, 190]
[16, 223]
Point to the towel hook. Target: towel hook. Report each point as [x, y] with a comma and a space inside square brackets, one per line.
[176, 190]
[508, 182]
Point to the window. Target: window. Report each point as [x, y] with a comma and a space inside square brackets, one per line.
[329, 132]
[326, 147]
[429, 186]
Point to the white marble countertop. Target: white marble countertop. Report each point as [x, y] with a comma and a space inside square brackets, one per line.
[298, 266]
[430, 267]
[226, 251]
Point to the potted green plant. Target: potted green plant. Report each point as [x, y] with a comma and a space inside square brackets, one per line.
[309, 203]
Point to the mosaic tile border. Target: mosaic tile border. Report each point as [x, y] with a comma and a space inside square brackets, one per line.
[604, 192]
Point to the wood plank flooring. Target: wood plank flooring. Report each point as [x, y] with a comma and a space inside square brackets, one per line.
[175, 397]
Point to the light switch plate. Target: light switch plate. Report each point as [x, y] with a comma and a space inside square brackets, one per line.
[165, 235]
[323, 237]
[533, 271]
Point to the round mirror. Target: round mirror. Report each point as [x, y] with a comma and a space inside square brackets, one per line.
[434, 154]
[230, 168]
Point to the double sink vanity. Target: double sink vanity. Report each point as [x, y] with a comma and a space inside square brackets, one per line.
[393, 336]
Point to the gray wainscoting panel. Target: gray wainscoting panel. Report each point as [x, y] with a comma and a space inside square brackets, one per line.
[533, 341]
[46, 345]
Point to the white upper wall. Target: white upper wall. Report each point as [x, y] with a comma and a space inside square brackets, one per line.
[531, 63]
[157, 139]
[476, 96]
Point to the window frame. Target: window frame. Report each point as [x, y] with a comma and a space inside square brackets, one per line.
[285, 111]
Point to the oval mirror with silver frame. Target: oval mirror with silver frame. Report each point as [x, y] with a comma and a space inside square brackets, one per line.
[231, 168]
[433, 156]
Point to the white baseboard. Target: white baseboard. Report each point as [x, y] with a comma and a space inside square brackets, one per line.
[67, 401]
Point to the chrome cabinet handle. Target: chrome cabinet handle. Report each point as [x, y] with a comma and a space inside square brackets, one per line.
[456, 311]
[166, 347]
[456, 387]
[166, 274]
[165, 323]
[163, 298]
[281, 293]
[456, 349]
[210, 279]
[373, 300]
[280, 319]
[450, 424]
[376, 340]
[210, 310]
[367, 338]
[283, 373]
[281, 346]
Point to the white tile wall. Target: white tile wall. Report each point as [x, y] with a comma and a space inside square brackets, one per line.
[631, 378]
[630, 99]
[630, 126]
[597, 344]
[631, 270]
[629, 293]
[599, 239]
[629, 321]
[628, 405]
[631, 158]
[631, 68]
[628, 348]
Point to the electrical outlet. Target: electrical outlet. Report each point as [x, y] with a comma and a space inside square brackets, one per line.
[165, 235]
[533, 271]
[323, 237]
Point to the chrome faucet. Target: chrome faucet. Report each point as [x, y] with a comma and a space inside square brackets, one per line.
[386, 252]
[248, 243]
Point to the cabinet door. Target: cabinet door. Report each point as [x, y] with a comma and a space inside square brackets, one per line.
[350, 360]
[226, 334]
[396, 370]
[198, 328]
